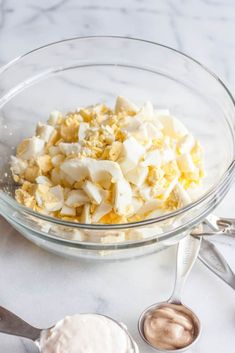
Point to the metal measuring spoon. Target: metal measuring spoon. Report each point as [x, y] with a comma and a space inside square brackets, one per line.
[14, 325]
[188, 249]
[221, 225]
[209, 255]
[214, 260]
[214, 225]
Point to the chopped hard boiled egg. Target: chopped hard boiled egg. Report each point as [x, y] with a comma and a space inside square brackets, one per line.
[132, 151]
[76, 198]
[45, 132]
[124, 105]
[93, 192]
[101, 211]
[30, 148]
[98, 165]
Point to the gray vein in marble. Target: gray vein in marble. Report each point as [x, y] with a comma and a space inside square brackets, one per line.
[22, 109]
[102, 305]
[2, 13]
[45, 11]
[225, 42]
[227, 241]
[55, 7]
[173, 22]
[218, 3]
[103, 8]
[25, 345]
[85, 87]
[224, 64]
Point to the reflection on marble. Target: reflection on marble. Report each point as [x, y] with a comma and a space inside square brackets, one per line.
[42, 287]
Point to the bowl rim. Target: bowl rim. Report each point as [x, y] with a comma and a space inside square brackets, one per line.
[98, 226]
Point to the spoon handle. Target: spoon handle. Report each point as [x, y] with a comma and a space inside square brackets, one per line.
[221, 225]
[188, 249]
[13, 325]
[215, 261]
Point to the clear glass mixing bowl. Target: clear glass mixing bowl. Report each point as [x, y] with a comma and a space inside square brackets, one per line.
[84, 71]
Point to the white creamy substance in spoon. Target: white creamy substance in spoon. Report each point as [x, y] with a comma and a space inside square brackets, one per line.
[86, 333]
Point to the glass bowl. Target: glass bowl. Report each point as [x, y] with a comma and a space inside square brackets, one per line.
[84, 71]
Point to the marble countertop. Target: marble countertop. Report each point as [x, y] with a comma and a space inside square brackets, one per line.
[42, 287]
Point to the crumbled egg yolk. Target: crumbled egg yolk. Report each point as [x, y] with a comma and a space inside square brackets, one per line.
[98, 165]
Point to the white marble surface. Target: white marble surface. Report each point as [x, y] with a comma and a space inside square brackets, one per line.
[42, 287]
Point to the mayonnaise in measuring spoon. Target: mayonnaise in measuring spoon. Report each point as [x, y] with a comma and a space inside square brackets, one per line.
[85, 333]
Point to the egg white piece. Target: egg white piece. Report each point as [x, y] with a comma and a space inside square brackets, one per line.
[69, 148]
[34, 146]
[173, 127]
[54, 150]
[144, 233]
[54, 117]
[146, 113]
[132, 152]
[43, 180]
[45, 132]
[57, 160]
[123, 104]
[68, 211]
[182, 195]
[103, 209]
[18, 165]
[186, 144]
[86, 215]
[58, 193]
[186, 164]
[83, 128]
[149, 206]
[137, 175]
[122, 197]
[93, 191]
[76, 198]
